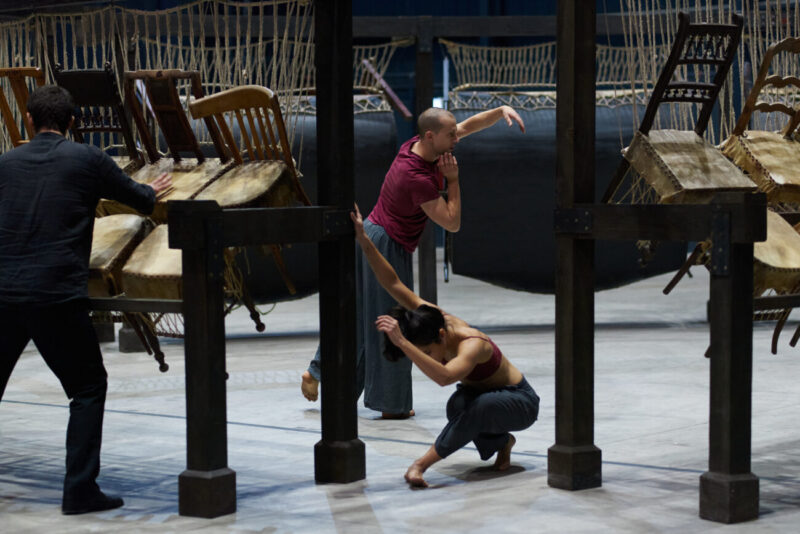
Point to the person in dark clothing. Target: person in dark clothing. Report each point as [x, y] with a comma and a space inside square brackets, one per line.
[49, 189]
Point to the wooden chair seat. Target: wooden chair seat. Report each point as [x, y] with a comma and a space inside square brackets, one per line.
[114, 239]
[770, 159]
[257, 183]
[189, 177]
[682, 167]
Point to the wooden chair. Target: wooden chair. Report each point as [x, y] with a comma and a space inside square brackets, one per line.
[100, 108]
[151, 93]
[772, 159]
[162, 98]
[695, 45]
[261, 129]
[252, 127]
[18, 80]
[154, 271]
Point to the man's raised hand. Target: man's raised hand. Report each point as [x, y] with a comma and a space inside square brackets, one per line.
[511, 116]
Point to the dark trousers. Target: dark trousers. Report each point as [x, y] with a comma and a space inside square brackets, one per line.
[66, 339]
[486, 417]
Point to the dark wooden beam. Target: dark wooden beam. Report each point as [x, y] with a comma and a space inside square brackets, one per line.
[729, 490]
[574, 462]
[423, 78]
[665, 222]
[207, 488]
[339, 456]
[259, 226]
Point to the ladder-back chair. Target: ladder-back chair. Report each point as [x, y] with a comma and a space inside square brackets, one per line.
[100, 108]
[696, 45]
[18, 79]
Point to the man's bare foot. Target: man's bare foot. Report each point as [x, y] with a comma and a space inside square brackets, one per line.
[387, 415]
[414, 476]
[309, 386]
[503, 460]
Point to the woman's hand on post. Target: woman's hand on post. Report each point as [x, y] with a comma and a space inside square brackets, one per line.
[389, 326]
[358, 221]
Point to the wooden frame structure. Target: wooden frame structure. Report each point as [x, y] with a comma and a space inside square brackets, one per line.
[728, 490]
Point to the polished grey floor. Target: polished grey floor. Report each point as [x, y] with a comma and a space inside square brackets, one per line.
[651, 410]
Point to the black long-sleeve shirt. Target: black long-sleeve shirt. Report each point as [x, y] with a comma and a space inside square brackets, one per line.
[49, 189]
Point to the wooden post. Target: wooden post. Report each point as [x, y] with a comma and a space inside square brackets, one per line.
[426, 260]
[207, 488]
[339, 456]
[573, 461]
[728, 490]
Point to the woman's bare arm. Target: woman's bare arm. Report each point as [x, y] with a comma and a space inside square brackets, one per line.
[469, 354]
[384, 272]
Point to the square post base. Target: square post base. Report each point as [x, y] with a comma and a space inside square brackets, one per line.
[207, 493]
[339, 461]
[574, 468]
[728, 498]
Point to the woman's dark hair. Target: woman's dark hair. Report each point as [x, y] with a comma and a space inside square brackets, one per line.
[420, 327]
[51, 107]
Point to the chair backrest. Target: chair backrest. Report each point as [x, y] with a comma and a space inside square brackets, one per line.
[763, 81]
[99, 104]
[163, 100]
[257, 114]
[18, 80]
[262, 133]
[701, 44]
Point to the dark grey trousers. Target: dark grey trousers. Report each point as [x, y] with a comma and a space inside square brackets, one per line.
[486, 417]
[386, 385]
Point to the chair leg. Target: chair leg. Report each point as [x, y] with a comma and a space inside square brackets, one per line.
[778, 327]
[690, 261]
[278, 257]
[795, 337]
[136, 324]
[300, 192]
[158, 354]
[622, 169]
[247, 300]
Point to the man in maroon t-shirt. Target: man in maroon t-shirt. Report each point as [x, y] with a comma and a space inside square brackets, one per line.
[408, 198]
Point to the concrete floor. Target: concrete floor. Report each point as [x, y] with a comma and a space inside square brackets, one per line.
[651, 410]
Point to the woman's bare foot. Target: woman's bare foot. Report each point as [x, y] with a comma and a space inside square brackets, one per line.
[414, 476]
[503, 460]
[387, 415]
[309, 386]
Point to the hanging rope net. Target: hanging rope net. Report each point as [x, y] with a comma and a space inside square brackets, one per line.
[524, 77]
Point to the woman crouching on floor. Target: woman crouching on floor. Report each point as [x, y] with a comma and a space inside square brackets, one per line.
[492, 398]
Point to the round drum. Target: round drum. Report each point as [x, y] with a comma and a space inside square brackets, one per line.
[114, 238]
[154, 270]
[776, 261]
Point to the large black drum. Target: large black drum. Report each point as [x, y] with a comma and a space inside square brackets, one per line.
[508, 198]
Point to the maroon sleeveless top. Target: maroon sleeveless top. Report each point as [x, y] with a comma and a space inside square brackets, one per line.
[486, 369]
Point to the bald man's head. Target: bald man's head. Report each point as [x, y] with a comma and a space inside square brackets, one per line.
[432, 119]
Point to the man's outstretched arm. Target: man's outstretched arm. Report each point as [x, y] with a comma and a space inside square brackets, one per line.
[484, 119]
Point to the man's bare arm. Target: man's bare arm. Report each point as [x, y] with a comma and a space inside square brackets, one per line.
[487, 118]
